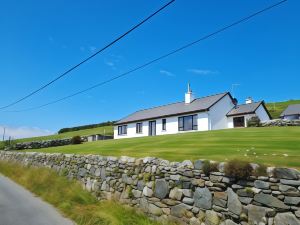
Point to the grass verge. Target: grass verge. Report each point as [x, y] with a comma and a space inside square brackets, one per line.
[71, 199]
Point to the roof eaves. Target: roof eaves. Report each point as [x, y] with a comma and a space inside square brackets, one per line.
[163, 116]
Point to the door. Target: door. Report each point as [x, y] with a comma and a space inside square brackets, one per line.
[152, 128]
[239, 121]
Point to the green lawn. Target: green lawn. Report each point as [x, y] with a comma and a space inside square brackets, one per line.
[264, 145]
[277, 108]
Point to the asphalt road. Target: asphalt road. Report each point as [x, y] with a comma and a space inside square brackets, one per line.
[20, 207]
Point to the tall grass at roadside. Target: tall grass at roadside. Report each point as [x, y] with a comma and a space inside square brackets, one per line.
[71, 199]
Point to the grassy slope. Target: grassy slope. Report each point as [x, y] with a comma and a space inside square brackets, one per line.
[258, 143]
[98, 130]
[278, 107]
[70, 199]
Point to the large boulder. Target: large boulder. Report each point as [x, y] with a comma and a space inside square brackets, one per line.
[286, 173]
[261, 184]
[203, 198]
[220, 199]
[287, 188]
[176, 194]
[211, 218]
[198, 164]
[292, 200]
[180, 210]
[234, 204]
[257, 214]
[161, 188]
[270, 201]
[286, 219]
[154, 210]
[147, 192]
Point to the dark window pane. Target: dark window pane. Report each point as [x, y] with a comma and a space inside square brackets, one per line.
[139, 128]
[195, 122]
[180, 123]
[164, 123]
[122, 129]
[187, 123]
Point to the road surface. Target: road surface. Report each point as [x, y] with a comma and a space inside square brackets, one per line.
[20, 207]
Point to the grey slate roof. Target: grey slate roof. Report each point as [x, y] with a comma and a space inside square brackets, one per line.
[244, 109]
[198, 105]
[291, 110]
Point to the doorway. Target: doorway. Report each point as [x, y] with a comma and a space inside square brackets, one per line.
[152, 128]
[239, 121]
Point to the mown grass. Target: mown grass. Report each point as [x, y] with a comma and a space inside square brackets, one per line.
[71, 199]
[276, 108]
[108, 130]
[278, 146]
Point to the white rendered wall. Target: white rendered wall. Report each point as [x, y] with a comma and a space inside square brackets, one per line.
[217, 113]
[171, 126]
[262, 114]
[230, 122]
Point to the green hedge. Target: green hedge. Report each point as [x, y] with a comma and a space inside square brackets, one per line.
[84, 127]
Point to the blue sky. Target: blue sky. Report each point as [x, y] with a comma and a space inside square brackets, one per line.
[41, 39]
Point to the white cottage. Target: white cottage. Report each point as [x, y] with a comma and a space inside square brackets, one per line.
[194, 114]
[292, 112]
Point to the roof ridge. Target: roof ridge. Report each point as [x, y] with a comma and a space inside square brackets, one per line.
[251, 103]
[178, 102]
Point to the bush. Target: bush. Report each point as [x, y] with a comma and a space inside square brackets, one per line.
[76, 140]
[254, 122]
[238, 169]
[261, 170]
[209, 167]
[84, 127]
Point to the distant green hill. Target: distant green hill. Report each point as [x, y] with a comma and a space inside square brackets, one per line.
[276, 108]
[108, 130]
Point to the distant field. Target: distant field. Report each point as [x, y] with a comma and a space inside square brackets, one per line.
[108, 130]
[271, 145]
[277, 108]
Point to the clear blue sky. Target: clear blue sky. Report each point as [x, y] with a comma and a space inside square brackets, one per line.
[41, 39]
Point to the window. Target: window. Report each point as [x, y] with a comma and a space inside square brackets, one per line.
[164, 124]
[188, 123]
[122, 130]
[139, 128]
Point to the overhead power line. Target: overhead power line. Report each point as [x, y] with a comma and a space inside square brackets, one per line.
[88, 58]
[157, 59]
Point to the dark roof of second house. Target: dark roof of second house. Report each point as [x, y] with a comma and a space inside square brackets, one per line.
[198, 105]
[291, 110]
[245, 109]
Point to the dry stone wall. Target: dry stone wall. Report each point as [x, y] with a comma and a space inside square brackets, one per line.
[44, 144]
[180, 191]
[281, 123]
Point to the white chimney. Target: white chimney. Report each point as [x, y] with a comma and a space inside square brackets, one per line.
[249, 100]
[189, 97]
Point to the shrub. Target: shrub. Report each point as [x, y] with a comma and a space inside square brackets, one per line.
[261, 170]
[238, 169]
[254, 122]
[209, 167]
[147, 177]
[76, 140]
